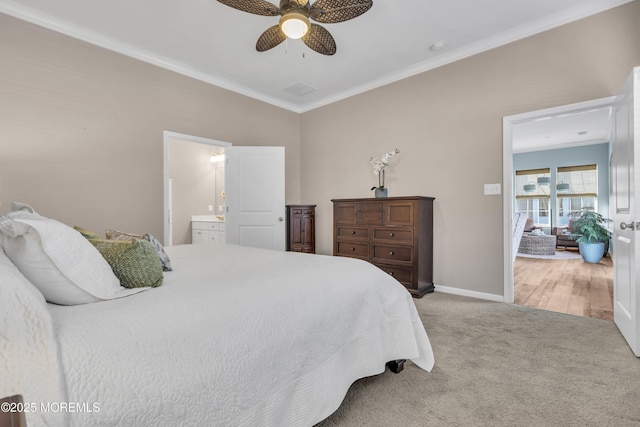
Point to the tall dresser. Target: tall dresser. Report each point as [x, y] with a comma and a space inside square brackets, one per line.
[395, 234]
[301, 228]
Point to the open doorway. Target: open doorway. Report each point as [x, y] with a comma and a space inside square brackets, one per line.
[194, 184]
[543, 148]
[250, 216]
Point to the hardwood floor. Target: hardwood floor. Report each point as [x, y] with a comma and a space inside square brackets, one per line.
[566, 286]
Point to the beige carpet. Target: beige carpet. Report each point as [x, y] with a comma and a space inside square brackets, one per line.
[504, 365]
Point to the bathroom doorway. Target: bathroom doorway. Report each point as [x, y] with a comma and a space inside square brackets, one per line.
[194, 183]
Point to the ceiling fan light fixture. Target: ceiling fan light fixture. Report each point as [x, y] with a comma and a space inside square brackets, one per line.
[295, 25]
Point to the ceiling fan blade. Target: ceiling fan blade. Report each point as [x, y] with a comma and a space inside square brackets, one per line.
[257, 7]
[320, 40]
[271, 38]
[332, 11]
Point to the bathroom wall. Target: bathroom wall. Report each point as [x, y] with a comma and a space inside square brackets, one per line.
[196, 184]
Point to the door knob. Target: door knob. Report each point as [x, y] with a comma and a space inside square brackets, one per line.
[280, 219]
[624, 226]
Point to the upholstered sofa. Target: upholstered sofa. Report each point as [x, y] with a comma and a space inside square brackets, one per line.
[563, 235]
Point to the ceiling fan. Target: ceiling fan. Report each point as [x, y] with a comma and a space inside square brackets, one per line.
[294, 20]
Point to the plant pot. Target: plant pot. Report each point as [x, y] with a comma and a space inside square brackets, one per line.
[591, 252]
[381, 192]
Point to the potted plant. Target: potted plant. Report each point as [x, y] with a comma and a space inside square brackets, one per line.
[591, 235]
[379, 165]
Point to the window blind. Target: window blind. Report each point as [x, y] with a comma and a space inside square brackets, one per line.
[527, 186]
[582, 180]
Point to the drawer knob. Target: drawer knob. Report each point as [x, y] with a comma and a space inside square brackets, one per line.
[353, 232]
[353, 249]
[391, 234]
[391, 253]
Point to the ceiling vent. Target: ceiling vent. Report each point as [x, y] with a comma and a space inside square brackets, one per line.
[299, 89]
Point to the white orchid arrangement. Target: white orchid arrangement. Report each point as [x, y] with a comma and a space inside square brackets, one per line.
[379, 165]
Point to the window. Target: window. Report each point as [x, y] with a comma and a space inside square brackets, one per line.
[532, 195]
[537, 209]
[577, 189]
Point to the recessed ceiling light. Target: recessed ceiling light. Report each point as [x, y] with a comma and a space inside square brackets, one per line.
[437, 46]
[582, 132]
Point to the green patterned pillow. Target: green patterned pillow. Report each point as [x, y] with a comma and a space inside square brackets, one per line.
[121, 235]
[87, 233]
[134, 262]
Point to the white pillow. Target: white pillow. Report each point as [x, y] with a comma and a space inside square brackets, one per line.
[62, 264]
[28, 350]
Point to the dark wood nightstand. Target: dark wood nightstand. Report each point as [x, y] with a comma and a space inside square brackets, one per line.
[11, 413]
[301, 228]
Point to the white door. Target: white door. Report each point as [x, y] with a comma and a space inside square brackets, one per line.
[625, 205]
[255, 197]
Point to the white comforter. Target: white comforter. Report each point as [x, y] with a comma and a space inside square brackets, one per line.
[236, 336]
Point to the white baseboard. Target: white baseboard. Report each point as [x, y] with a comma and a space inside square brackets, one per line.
[467, 293]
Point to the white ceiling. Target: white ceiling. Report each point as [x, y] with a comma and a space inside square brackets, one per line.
[215, 43]
[567, 129]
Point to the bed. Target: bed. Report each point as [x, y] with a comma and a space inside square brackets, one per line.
[233, 336]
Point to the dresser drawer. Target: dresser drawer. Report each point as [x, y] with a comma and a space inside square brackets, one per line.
[350, 233]
[352, 249]
[403, 275]
[382, 253]
[301, 211]
[392, 234]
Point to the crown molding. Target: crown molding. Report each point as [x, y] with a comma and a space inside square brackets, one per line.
[586, 9]
[97, 39]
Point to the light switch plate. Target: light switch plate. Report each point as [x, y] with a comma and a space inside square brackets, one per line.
[492, 189]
